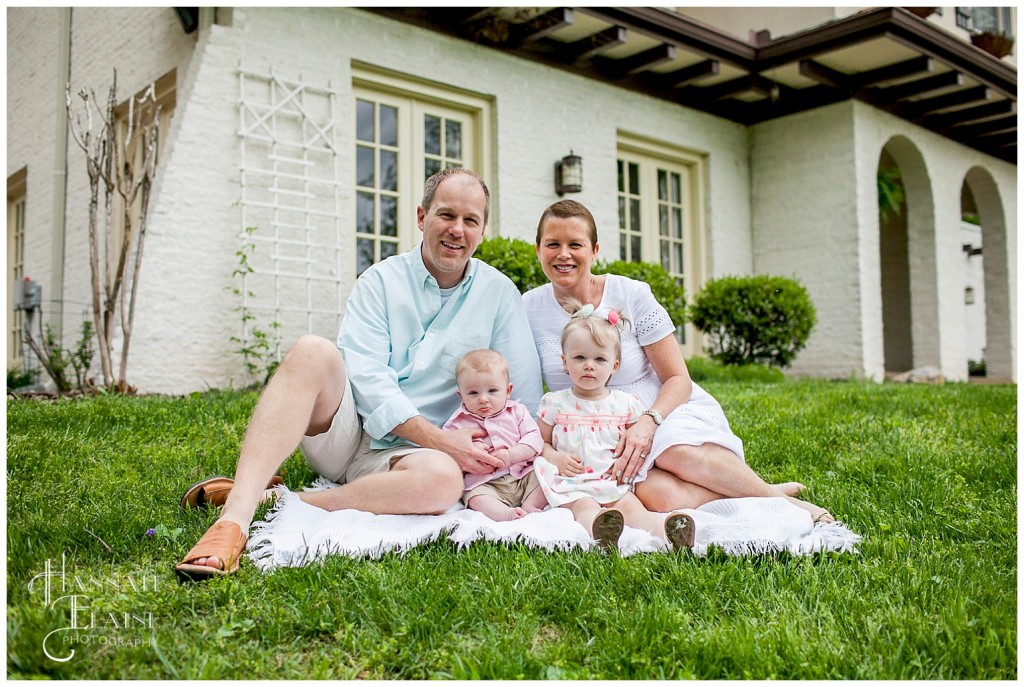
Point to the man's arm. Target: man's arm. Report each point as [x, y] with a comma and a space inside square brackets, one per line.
[512, 338]
[457, 443]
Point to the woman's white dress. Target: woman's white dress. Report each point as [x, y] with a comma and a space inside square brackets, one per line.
[698, 421]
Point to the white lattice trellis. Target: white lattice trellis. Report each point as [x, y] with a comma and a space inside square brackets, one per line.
[291, 229]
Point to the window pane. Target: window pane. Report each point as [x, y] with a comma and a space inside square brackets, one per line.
[634, 248]
[364, 213]
[431, 167]
[677, 223]
[364, 254]
[622, 178]
[388, 216]
[622, 212]
[431, 135]
[663, 220]
[364, 167]
[662, 185]
[364, 121]
[634, 214]
[388, 125]
[453, 139]
[387, 249]
[622, 245]
[665, 256]
[634, 178]
[678, 267]
[388, 170]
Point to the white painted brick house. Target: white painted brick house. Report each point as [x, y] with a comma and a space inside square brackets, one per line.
[305, 134]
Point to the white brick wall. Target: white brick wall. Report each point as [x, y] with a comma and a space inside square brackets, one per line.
[809, 178]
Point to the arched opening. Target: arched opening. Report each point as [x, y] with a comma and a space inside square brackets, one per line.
[897, 329]
[973, 283]
[990, 269]
[908, 272]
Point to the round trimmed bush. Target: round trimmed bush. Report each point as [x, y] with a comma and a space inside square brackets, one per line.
[755, 319]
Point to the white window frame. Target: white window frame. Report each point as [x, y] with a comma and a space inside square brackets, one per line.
[414, 98]
[649, 154]
[16, 222]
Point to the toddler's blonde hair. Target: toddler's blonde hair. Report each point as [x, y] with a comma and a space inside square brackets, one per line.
[601, 328]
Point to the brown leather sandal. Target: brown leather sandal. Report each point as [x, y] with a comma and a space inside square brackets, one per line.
[214, 492]
[225, 541]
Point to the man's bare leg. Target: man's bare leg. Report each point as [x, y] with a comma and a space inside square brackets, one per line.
[401, 490]
[301, 398]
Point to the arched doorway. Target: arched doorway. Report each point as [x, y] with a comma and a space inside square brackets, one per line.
[908, 273]
[897, 329]
[992, 272]
[973, 282]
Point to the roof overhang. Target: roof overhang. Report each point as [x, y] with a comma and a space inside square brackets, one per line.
[886, 57]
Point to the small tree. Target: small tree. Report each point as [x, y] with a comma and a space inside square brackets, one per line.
[121, 167]
[758, 319]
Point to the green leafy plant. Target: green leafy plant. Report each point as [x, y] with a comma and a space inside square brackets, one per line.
[754, 319]
[515, 258]
[664, 286]
[56, 360]
[256, 345]
[890, 193]
[17, 378]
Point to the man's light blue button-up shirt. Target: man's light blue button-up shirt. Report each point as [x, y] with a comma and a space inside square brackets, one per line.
[401, 346]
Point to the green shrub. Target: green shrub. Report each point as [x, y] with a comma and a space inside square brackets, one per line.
[754, 319]
[663, 285]
[707, 370]
[515, 258]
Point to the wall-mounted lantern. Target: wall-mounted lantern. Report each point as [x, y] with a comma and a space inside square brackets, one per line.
[569, 174]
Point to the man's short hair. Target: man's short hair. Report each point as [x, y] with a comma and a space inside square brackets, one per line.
[434, 180]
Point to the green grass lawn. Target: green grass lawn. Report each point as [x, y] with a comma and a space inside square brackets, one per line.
[926, 474]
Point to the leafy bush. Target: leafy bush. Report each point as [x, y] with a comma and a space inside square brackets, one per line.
[663, 285]
[515, 258]
[707, 370]
[754, 319]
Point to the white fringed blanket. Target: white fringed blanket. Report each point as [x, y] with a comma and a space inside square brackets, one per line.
[296, 534]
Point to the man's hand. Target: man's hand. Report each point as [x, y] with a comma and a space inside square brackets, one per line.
[459, 444]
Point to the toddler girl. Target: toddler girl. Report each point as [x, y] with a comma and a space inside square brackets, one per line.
[581, 427]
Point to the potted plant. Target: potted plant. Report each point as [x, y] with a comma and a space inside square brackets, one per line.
[996, 44]
[923, 12]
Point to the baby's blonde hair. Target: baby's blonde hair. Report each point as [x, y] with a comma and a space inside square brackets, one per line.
[600, 328]
[482, 360]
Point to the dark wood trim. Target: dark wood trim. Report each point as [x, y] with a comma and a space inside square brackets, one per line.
[684, 76]
[892, 94]
[595, 44]
[642, 61]
[947, 120]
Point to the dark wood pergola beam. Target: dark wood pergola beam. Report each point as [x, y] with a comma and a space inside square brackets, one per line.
[594, 44]
[892, 94]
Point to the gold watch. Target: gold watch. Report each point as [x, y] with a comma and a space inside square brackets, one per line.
[655, 415]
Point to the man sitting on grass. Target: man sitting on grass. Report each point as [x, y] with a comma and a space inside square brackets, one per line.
[367, 412]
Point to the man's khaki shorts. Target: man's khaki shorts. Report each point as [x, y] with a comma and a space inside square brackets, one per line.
[343, 453]
[511, 491]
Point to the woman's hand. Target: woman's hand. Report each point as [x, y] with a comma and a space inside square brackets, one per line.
[567, 464]
[632, 450]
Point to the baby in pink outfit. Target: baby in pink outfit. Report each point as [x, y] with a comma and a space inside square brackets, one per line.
[512, 436]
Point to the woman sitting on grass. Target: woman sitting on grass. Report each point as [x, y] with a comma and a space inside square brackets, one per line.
[581, 427]
[681, 452]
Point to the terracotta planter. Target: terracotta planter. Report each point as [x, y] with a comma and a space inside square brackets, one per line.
[923, 12]
[993, 43]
